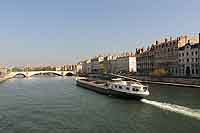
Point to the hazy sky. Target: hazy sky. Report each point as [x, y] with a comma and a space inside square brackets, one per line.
[66, 31]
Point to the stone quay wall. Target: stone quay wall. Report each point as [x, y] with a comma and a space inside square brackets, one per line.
[187, 81]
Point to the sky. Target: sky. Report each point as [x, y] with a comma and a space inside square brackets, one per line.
[54, 32]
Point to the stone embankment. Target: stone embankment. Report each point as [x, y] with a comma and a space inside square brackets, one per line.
[188, 82]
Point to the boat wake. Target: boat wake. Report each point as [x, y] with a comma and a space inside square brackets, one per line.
[194, 113]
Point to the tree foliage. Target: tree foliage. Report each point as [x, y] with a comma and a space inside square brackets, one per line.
[159, 72]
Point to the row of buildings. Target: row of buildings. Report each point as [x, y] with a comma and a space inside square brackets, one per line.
[68, 67]
[124, 63]
[177, 57]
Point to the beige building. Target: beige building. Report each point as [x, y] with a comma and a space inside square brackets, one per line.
[3, 71]
[69, 67]
[125, 64]
[79, 67]
[161, 55]
[86, 66]
[108, 64]
[97, 65]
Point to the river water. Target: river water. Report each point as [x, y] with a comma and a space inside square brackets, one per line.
[57, 105]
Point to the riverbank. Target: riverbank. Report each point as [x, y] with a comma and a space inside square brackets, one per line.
[4, 79]
[169, 81]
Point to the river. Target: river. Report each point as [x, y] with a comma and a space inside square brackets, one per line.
[57, 105]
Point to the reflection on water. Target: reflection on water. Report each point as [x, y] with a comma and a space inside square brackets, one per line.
[45, 75]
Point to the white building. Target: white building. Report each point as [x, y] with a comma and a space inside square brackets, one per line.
[86, 66]
[79, 67]
[189, 60]
[97, 64]
[108, 64]
[124, 64]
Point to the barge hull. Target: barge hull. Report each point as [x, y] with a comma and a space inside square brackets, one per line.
[105, 91]
[124, 95]
[92, 87]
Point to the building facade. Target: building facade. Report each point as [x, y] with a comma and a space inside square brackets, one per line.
[189, 60]
[161, 56]
[79, 67]
[69, 67]
[124, 64]
[3, 71]
[145, 61]
[108, 64]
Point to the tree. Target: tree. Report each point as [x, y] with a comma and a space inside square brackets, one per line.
[159, 72]
[15, 69]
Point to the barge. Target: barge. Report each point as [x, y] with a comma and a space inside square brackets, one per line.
[115, 87]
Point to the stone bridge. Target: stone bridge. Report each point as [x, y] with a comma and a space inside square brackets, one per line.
[31, 73]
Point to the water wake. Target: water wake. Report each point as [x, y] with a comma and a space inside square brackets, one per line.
[194, 113]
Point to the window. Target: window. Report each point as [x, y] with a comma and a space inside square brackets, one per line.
[120, 87]
[196, 52]
[196, 59]
[192, 53]
[182, 54]
[197, 72]
[188, 60]
[192, 71]
[187, 53]
[127, 88]
[192, 59]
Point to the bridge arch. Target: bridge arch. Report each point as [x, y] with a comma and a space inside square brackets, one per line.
[69, 74]
[19, 74]
[37, 73]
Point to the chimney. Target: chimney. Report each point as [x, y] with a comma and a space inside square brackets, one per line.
[170, 38]
[185, 39]
[199, 37]
[142, 50]
[165, 40]
[156, 42]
